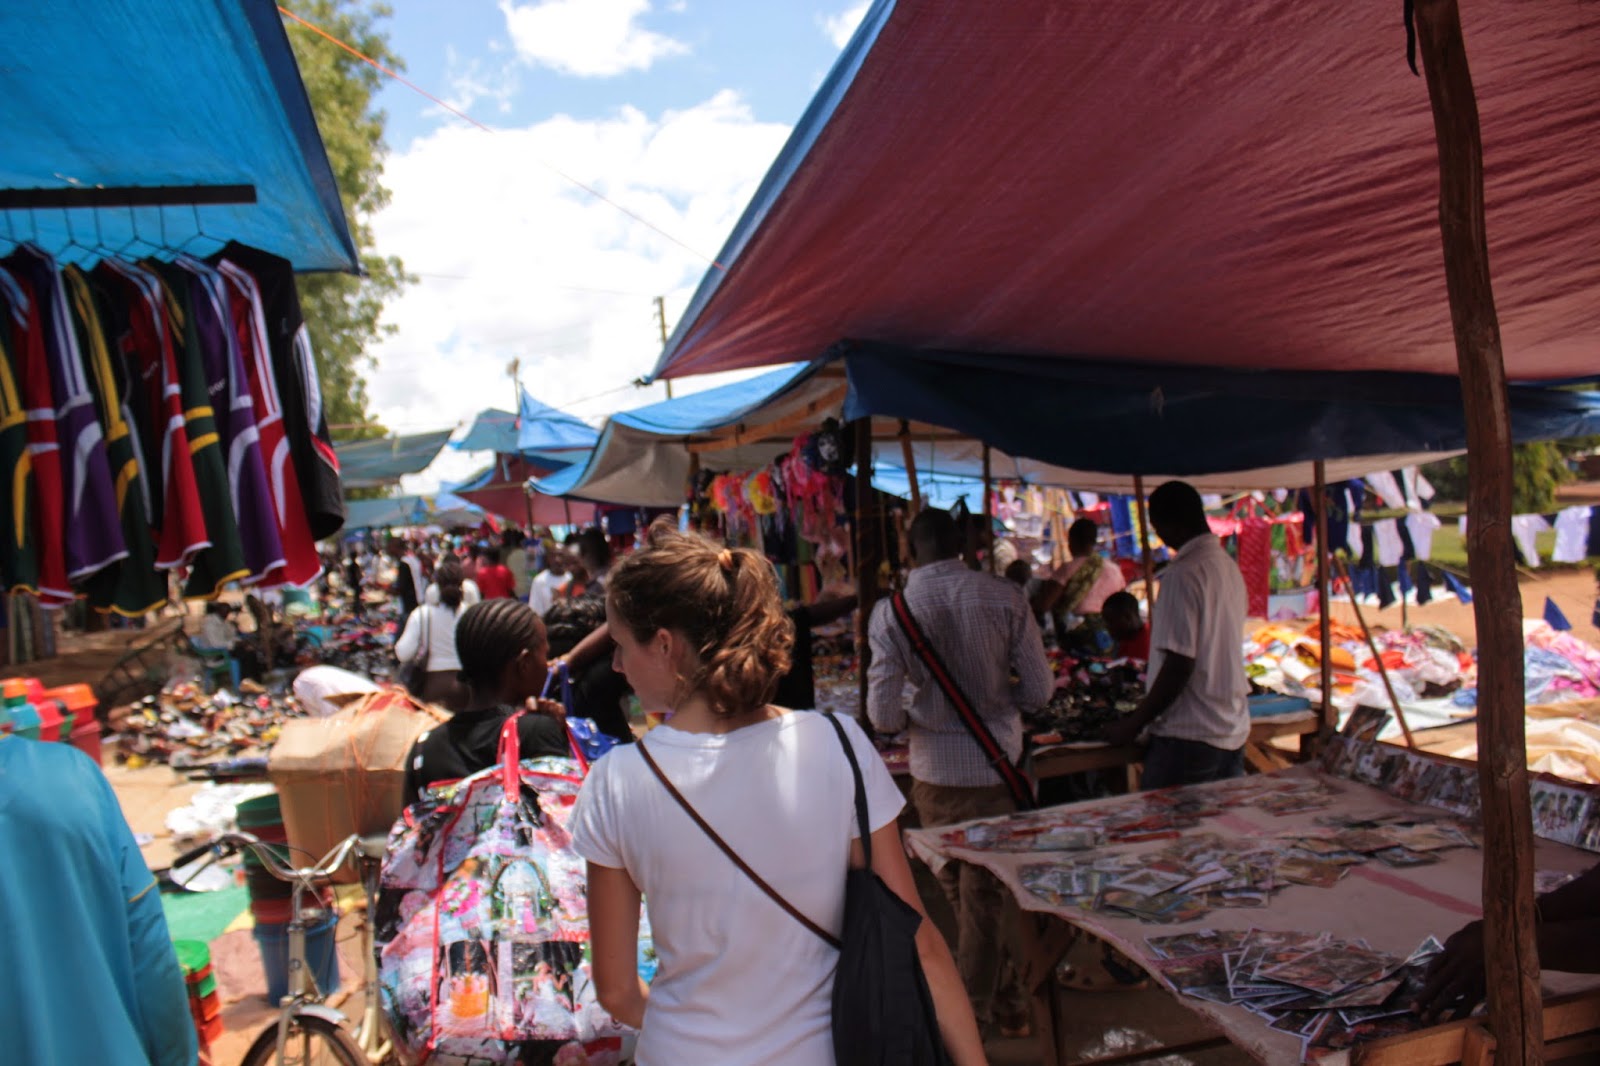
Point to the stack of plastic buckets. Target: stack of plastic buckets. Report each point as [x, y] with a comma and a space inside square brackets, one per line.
[65, 714]
[204, 1002]
[271, 901]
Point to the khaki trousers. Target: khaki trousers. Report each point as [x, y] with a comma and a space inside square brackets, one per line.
[985, 913]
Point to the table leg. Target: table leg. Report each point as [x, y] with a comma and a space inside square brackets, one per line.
[1045, 941]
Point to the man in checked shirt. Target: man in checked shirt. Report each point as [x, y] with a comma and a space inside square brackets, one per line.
[981, 627]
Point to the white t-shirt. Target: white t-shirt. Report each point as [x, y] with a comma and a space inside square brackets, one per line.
[542, 590]
[441, 623]
[1200, 614]
[740, 980]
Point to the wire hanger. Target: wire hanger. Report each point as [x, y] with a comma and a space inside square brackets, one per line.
[198, 235]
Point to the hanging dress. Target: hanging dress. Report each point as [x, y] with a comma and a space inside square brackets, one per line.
[134, 313]
[134, 586]
[91, 524]
[20, 322]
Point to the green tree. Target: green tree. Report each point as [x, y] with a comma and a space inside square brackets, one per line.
[1539, 470]
[344, 313]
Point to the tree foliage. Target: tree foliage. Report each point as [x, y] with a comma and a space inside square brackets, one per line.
[343, 313]
[1538, 470]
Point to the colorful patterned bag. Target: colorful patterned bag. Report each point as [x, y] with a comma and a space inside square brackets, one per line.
[482, 927]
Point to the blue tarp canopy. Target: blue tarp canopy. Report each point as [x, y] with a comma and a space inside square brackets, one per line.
[542, 433]
[367, 464]
[546, 429]
[1184, 422]
[492, 430]
[187, 92]
[394, 511]
[642, 458]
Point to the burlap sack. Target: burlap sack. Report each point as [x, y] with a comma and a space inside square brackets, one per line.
[344, 774]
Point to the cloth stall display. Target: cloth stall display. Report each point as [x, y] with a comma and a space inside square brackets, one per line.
[158, 417]
[1525, 530]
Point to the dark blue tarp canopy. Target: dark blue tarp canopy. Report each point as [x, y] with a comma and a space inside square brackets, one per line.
[1122, 419]
[181, 93]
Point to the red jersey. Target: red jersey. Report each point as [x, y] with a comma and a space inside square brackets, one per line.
[495, 582]
[1137, 647]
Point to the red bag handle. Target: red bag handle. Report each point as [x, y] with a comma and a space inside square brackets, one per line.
[510, 756]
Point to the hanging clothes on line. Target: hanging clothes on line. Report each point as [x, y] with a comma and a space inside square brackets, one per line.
[1572, 535]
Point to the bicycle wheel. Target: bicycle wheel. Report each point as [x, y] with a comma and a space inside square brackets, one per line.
[312, 1041]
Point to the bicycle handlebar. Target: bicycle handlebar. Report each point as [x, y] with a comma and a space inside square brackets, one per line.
[232, 843]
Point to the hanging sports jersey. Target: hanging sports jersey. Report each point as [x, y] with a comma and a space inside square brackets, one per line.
[19, 568]
[134, 586]
[135, 317]
[223, 560]
[229, 389]
[20, 322]
[302, 564]
[299, 390]
[92, 527]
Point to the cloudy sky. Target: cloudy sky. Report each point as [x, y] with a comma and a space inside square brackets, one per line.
[672, 109]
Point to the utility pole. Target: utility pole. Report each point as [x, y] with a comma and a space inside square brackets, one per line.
[661, 322]
[514, 368]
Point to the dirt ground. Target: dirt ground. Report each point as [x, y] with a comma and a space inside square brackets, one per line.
[1573, 591]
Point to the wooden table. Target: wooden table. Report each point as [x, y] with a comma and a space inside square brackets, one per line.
[1060, 760]
[1391, 908]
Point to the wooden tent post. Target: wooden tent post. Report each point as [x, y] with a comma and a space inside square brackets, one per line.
[986, 539]
[1510, 947]
[1144, 546]
[864, 556]
[1330, 716]
[910, 461]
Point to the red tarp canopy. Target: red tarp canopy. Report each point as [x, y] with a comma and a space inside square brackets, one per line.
[505, 494]
[1248, 184]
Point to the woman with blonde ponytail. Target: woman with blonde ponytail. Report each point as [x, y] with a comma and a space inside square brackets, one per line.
[701, 634]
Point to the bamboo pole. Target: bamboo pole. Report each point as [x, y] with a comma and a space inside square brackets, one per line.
[1510, 948]
[910, 461]
[1377, 658]
[1330, 717]
[1144, 547]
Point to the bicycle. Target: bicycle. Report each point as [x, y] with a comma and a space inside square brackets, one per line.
[308, 1032]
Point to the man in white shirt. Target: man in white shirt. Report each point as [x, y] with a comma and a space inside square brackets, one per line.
[1195, 710]
[549, 582]
[982, 629]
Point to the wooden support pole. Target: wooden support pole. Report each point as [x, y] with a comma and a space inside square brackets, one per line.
[1330, 716]
[865, 557]
[1144, 546]
[1377, 659]
[986, 538]
[1510, 948]
[910, 462]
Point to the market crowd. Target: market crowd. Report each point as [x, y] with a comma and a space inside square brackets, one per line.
[736, 815]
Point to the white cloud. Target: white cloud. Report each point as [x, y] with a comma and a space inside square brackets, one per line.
[841, 27]
[496, 79]
[588, 38]
[515, 261]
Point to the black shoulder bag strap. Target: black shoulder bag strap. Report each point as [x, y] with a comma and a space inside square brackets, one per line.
[1015, 781]
[733, 856]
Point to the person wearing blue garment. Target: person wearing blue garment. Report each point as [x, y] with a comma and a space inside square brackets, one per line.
[87, 970]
